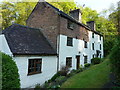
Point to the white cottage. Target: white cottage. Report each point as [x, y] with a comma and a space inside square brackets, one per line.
[60, 40]
[35, 58]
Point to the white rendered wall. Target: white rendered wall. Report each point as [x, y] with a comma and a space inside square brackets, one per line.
[78, 49]
[4, 45]
[49, 68]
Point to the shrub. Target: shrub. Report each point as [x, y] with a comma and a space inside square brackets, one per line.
[115, 59]
[87, 65]
[64, 71]
[95, 60]
[55, 76]
[10, 76]
[37, 86]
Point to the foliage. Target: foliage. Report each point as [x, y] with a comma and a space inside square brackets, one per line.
[87, 65]
[115, 59]
[37, 86]
[64, 70]
[96, 76]
[55, 76]
[10, 76]
[95, 60]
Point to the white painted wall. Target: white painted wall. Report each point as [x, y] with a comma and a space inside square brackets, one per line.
[78, 49]
[4, 45]
[49, 68]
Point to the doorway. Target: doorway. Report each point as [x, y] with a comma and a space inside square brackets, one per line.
[78, 61]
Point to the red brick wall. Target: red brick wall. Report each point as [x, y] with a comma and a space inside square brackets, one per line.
[78, 32]
[46, 18]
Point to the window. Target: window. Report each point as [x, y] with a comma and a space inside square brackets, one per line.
[100, 37]
[85, 44]
[69, 41]
[100, 46]
[69, 61]
[70, 25]
[93, 55]
[34, 66]
[92, 46]
[92, 35]
[85, 59]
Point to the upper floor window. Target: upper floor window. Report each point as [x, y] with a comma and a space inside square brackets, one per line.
[69, 41]
[34, 66]
[69, 61]
[92, 46]
[92, 35]
[100, 37]
[85, 59]
[100, 46]
[70, 25]
[85, 44]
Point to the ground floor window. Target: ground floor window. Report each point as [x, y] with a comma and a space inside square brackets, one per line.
[69, 61]
[85, 59]
[34, 66]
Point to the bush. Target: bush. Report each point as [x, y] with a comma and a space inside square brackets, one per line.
[37, 86]
[95, 60]
[10, 76]
[87, 65]
[55, 76]
[64, 71]
[115, 59]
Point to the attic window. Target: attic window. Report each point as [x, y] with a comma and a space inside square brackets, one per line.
[70, 25]
[34, 66]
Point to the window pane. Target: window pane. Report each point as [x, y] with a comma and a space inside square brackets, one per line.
[34, 65]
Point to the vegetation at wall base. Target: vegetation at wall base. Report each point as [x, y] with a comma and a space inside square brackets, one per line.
[10, 76]
[94, 77]
[95, 60]
[115, 59]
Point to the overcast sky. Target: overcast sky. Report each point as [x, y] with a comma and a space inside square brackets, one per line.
[98, 5]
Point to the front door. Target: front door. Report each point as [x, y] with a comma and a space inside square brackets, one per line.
[78, 62]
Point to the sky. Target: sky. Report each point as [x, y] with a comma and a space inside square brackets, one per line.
[98, 5]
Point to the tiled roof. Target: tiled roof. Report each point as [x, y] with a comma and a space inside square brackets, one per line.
[24, 40]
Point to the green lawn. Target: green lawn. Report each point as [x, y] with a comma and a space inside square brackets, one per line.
[94, 77]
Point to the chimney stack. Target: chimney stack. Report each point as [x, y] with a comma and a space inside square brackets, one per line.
[76, 14]
[91, 24]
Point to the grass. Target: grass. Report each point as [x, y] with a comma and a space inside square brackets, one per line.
[94, 77]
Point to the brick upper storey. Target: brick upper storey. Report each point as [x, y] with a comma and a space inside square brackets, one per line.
[55, 22]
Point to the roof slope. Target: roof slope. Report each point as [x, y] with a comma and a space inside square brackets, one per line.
[24, 40]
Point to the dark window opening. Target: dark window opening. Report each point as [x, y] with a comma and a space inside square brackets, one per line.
[85, 44]
[69, 41]
[92, 35]
[100, 46]
[69, 61]
[70, 25]
[100, 37]
[34, 66]
[92, 46]
[85, 59]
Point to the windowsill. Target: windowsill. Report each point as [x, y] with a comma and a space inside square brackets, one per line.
[70, 28]
[33, 73]
[70, 46]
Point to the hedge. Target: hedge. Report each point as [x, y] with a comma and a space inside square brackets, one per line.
[10, 76]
